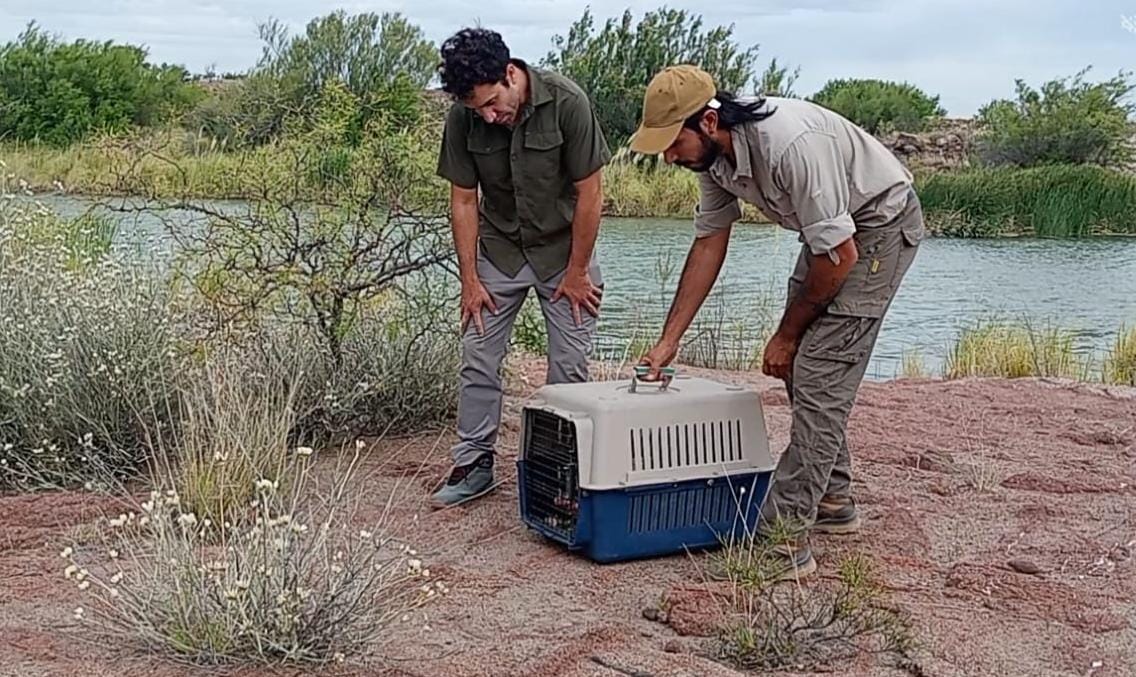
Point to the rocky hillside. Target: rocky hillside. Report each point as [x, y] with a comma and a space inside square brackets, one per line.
[946, 146]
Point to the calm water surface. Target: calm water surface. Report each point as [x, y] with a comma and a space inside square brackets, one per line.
[1088, 285]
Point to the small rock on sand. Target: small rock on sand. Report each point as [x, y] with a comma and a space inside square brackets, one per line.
[1025, 566]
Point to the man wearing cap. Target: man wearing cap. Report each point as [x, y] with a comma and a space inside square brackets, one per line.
[529, 142]
[812, 171]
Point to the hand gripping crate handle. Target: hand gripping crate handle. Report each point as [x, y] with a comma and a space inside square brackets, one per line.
[667, 374]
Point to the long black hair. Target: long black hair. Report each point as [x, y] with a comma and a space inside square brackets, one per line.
[732, 112]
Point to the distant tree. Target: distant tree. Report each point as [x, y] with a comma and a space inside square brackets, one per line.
[776, 80]
[384, 61]
[615, 64]
[1066, 122]
[366, 52]
[59, 92]
[878, 105]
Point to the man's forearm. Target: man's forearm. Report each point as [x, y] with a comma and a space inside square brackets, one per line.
[464, 216]
[703, 264]
[586, 222]
[821, 285]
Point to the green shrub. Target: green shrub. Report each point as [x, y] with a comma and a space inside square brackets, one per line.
[1065, 122]
[298, 575]
[58, 93]
[1050, 201]
[879, 106]
[615, 63]
[369, 65]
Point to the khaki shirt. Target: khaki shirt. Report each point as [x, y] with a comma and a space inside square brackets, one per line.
[809, 170]
[527, 174]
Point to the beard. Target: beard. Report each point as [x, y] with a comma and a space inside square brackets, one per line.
[711, 149]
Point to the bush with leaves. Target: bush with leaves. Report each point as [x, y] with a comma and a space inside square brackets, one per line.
[615, 64]
[383, 61]
[338, 250]
[1067, 121]
[879, 106]
[58, 93]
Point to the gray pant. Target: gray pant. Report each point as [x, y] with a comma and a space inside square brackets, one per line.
[830, 364]
[569, 347]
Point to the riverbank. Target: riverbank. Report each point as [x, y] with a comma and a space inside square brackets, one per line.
[1001, 532]
[958, 200]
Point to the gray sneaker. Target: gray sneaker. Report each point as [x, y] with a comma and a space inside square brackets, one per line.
[466, 482]
[837, 516]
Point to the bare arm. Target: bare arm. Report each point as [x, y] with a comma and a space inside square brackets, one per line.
[822, 282]
[586, 220]
[463, 206]
[703, 264]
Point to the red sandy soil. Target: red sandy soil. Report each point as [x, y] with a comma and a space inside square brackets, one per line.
[1057, 462]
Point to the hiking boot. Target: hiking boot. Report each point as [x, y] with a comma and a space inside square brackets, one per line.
[760, 564]
[794, 561]
[837, 516]
[466, 482]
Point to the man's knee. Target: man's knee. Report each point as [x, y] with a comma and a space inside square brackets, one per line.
[482, 353]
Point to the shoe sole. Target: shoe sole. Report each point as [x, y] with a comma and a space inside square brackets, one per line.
[838, 528]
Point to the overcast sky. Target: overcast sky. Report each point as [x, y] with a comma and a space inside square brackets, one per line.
[967, 51]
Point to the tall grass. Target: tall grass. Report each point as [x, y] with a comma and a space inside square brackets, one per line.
[166, 165]
[1050, 201]
[913, 365]
[1119, 366]
[635, 190]
[1009, 350]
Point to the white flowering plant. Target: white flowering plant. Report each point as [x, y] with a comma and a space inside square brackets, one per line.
[296, 580]
[87, 348]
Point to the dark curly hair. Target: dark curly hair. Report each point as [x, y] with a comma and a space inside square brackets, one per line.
[472, 57]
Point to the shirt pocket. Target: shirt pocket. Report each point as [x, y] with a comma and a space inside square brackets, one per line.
[491, 155]
[542, 162]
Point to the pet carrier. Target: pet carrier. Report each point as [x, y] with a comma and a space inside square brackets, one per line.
[623, 470]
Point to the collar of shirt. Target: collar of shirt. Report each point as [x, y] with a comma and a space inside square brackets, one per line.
[742, 167]
[539, 93]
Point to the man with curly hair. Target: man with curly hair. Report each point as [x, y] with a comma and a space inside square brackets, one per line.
[529, 140]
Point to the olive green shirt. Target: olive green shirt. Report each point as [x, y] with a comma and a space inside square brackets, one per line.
[527, 174]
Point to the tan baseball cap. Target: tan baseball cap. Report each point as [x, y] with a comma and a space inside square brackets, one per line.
[673, 95]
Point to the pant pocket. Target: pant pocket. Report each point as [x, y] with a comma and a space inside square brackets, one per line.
[868, 288]
[840, 338]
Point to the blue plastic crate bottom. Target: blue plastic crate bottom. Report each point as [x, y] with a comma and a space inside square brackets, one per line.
[652, 520]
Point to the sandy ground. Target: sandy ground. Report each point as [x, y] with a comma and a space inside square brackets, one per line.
[1057, 463]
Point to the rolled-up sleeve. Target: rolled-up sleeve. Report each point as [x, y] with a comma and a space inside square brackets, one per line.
[717, 208]
[811, 172]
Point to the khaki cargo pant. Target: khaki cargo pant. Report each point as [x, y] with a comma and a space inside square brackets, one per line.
[569, 347]
[830, 364]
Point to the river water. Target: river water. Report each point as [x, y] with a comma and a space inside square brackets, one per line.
[1088, 286]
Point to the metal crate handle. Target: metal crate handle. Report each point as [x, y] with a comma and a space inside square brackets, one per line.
[667, 374]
